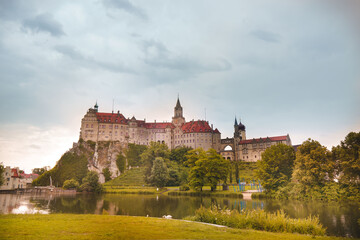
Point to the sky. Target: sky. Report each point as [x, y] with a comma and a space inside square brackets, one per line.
[283, 67]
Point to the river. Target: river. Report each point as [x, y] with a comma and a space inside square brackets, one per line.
[340, 219]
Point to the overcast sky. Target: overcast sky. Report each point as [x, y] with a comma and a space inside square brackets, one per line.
[283, 67]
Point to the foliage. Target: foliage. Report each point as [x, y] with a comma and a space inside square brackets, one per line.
[217, 168]
[71, 184]
[196, 162]
[39, 171]
[107, 174]
[133, 153]
[2, 170]
[206, 167]
[159, 173]
[313, 167]
[121, 163]
[259, 220]
[179, 154]
[178, 174]
[90, 183]
[153, 151]
[69, 166]
[275, 167]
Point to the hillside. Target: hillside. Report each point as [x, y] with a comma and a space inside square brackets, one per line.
[132, 177]
[81, 158]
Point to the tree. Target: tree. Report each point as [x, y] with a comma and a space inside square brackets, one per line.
[39, 171]
[159, 173]
[179, 154]
[196, 161]
[206, 168]
[133, 153]
[217, 168]
[347, 159]
[72, 183]
[313, 167]
[347, 156]
[107, 174]
[2, 170]
[90, 183]
[275, 167]
[153, 151]
[121, 163]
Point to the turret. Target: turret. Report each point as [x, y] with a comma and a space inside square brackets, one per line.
[96, 107]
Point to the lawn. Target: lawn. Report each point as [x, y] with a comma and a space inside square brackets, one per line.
[71, 226]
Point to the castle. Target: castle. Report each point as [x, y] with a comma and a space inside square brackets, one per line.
[97, 126]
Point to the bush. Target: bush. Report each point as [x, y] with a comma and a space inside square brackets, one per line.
[90, 183]
[184, 187]
[259, 220]
[71, 184]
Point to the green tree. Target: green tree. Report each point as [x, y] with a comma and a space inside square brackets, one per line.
[179, 154]
[39, 171]
[153, 151]
[72, 183]
[159, 173]
[121, 163]
[313, 167]
[107, 174]
[217, 168]
[2, 170]
[206, 168]
[90, 183]
[347, 158]
[276, 166]
[196, 161]
[133, 153]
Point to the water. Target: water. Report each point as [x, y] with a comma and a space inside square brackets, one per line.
[340, 219]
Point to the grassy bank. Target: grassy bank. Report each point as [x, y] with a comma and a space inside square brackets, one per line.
[206, 193]
[71, 226]
[132, 190]
[259, 220]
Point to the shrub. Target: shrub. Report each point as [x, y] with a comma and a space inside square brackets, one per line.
[71, 184]
[184, 187]
[259, 220]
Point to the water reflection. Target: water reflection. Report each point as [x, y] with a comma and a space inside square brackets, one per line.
[339, 218]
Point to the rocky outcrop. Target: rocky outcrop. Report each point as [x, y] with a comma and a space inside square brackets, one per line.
[103, 155]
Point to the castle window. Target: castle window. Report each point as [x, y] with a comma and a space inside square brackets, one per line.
[87, 125]
[92, 125]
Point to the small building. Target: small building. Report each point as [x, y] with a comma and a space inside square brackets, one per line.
[13, 179]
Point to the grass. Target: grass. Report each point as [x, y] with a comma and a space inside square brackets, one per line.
[206, 193]
[132, 177]
[260, 220]
[132, 190]
[71, 226]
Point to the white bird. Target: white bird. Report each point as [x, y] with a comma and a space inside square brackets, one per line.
[167, 216]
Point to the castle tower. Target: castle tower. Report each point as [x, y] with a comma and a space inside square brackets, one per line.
[178, 118]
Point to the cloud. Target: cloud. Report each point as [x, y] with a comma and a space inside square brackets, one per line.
[43, 23]
[89, 62]
[157, 55]
[126, 6]
[266, 36]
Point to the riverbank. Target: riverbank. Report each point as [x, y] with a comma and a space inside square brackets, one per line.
[82, 226]
[172, 191]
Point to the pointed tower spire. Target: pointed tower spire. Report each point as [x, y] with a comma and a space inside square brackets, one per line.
[236, 123]
[96, 107]
[178, 105]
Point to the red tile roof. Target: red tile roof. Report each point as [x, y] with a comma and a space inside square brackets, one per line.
[31, 175]
[196, 126]
[159, 125]
[259, 140]
[111, 118]
[216, 130]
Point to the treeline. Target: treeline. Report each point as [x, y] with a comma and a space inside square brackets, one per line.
[313, 172]
[182, 166]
